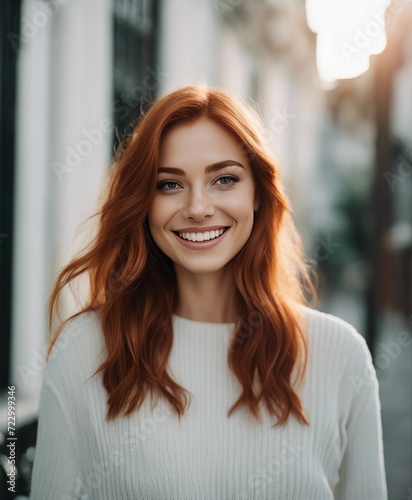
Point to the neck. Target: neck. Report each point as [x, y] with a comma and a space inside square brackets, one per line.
[206, 297]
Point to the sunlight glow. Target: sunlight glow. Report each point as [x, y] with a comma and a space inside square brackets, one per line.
[349, 32]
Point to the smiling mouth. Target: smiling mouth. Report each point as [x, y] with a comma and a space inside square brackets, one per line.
[202, 236]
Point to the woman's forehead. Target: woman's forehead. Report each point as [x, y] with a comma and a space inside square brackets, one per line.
[202, 141]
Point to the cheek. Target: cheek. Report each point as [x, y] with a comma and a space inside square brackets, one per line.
[154, 215]
[160, 207]
[240, 203]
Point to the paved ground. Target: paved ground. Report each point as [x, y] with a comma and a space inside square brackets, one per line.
[396, 393]
[393, 363]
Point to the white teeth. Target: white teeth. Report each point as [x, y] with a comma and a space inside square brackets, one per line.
[207, 235]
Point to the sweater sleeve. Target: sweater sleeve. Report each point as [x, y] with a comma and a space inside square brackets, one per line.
[56, 468]
[362, 470]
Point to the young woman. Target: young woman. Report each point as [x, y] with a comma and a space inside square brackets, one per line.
[196, 370]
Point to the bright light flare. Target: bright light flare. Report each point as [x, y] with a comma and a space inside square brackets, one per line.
[349, 32]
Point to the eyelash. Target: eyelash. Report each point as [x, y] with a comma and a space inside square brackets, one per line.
[161, 184]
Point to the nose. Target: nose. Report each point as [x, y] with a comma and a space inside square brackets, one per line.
[198, 206]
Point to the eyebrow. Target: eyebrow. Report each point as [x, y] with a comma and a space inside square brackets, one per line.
[210, 168]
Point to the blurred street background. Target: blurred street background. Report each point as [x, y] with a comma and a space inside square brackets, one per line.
[332, 82]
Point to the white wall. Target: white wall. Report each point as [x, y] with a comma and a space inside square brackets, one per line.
[189, 43]
[64, 87]
[235, 64]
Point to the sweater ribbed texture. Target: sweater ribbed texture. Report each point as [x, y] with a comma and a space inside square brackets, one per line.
[208, 456]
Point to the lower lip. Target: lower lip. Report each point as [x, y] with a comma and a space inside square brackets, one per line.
[201, 245]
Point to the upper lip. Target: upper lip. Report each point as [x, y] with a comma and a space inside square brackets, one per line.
[199, 229]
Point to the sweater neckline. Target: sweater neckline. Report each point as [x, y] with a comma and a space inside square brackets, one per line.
[200, 324]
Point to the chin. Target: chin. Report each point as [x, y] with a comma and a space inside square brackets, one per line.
[204, 268]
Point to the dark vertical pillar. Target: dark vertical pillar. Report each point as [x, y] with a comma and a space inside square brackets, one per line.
[9, 34]
[135, 69]
[381, 202]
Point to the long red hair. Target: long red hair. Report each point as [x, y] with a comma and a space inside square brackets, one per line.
[136, 314]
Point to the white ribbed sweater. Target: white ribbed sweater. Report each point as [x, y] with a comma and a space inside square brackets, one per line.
[152, 456]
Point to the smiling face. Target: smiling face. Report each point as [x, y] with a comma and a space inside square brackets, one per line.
[204, 183]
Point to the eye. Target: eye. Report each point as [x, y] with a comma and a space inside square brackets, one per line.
[231, 178]
[161, 185]
[227, 180]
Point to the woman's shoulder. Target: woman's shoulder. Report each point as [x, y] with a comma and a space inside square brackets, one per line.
[332, 334]
[79, 348]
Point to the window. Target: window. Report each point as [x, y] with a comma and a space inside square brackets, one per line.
[135, 71]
